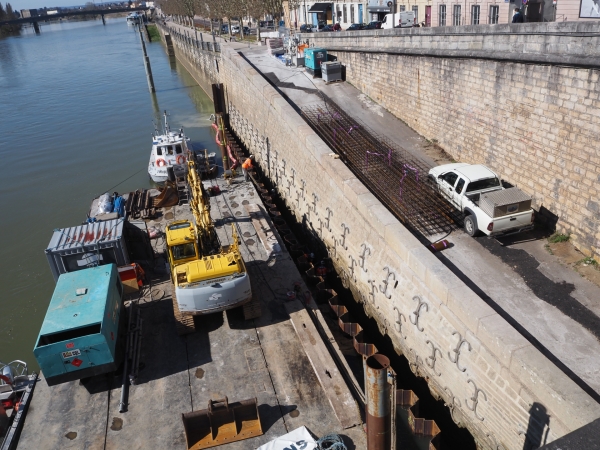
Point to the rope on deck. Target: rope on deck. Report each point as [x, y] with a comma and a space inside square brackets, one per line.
[331, 442]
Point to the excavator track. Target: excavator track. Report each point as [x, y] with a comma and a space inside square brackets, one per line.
[252, 309]
[184, 322]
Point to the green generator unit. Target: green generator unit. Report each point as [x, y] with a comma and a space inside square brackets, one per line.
[82, 332]
[313, 58]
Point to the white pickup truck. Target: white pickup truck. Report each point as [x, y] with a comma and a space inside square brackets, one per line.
[488, 207]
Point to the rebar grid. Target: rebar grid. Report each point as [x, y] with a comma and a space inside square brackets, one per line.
[397, 179]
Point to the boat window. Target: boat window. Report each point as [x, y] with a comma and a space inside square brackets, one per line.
[159, 150]
[184, 251]
[178, 149]
[47, 339]
[483, 184]
[170, 151]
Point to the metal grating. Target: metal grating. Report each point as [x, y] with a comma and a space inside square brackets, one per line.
[399, 180]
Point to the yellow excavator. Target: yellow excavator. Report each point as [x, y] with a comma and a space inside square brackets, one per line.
[207, 277]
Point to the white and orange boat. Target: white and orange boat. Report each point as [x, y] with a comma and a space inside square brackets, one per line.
[169, 149]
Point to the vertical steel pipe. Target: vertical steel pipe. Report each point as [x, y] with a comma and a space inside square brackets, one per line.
[378, 403]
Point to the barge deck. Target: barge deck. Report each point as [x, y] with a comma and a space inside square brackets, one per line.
[278, 358]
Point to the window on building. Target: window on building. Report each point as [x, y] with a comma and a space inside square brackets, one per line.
[415, 9]
[494, 12]
[456, 12]
[442, 16]
[338, 13]
[475, 12]
[352, 14]
[345, 14]
[402, 8]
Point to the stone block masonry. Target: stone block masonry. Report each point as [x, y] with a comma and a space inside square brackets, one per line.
[524, 101]
[495, 383]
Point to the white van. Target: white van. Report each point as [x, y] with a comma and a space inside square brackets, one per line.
[405, 19]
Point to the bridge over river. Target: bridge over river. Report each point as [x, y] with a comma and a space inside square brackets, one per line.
[69, 13]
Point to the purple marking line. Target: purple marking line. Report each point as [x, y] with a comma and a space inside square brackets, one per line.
[335, 132]
[406, 166]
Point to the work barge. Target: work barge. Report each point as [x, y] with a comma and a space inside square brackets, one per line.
[271, 352]
[291, 357]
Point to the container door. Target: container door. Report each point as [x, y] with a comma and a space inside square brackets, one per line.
[427, 16]
[52, 365]
[74, 360]
[360, 13]
[98, 355]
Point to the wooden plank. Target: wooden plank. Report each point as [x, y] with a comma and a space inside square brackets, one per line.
[263, 229]
[252, 309]
[334, 385]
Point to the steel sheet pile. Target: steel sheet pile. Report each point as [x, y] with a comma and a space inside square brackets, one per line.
[398, 180]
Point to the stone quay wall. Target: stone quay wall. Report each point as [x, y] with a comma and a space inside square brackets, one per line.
[494, 381]
[523, 100]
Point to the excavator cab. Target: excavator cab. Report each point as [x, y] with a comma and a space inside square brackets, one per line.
[181, 242]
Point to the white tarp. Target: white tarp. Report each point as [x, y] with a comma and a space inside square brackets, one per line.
[299, 439]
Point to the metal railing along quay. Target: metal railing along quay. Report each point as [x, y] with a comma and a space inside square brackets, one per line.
[397, 179]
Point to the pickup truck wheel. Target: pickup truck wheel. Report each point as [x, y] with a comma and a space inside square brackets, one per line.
[471, 226]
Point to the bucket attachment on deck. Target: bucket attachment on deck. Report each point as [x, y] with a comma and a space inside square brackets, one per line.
[221, 423]
[167, 197]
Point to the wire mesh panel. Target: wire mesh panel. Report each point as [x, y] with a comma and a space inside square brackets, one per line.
[397, 178]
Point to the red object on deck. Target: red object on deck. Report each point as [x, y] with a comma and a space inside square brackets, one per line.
[437, 246]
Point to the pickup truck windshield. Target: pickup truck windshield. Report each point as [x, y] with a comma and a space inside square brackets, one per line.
[483, 184]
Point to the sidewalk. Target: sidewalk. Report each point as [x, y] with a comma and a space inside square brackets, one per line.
[508, 275]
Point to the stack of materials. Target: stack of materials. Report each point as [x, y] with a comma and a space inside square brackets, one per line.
[275, 46]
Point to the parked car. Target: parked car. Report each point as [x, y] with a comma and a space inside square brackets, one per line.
[477, 192]
[306, 28]
[327, 29]
[375, 25]
[235, 29]
[224, 29]
[320, 25]
[267, 24]
[405, 19]
[246, 31]
[356, 27]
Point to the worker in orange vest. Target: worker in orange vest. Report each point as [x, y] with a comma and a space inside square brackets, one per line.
[247, 166]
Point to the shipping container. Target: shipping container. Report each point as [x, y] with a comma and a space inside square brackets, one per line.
[82, 333]
[87, 245]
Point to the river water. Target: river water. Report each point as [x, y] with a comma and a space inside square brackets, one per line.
[75, 121]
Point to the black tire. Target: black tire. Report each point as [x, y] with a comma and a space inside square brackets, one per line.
[471, 226]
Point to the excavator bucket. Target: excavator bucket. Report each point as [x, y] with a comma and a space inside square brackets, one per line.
[168, 197]
[221, 423]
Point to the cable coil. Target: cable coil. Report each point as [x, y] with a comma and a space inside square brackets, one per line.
[331, 442]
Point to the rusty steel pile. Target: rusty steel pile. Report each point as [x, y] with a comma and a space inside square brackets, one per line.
[398, 180]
